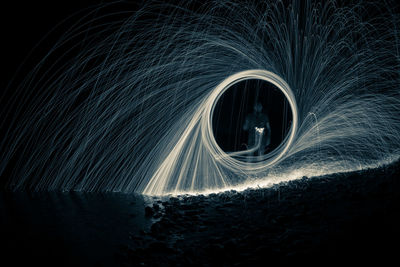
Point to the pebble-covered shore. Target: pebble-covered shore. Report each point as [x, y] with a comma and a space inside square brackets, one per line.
[335, 219]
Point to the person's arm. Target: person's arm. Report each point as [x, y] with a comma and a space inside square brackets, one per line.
[268, 133]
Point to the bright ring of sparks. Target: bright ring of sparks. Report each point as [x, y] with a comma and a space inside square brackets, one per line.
[207, 131]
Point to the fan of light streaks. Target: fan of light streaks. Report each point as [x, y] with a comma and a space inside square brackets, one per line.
[126, 104]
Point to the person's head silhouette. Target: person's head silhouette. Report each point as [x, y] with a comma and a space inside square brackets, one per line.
[258, 107]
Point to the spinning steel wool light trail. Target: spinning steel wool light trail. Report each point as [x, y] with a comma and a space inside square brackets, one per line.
[124, 102]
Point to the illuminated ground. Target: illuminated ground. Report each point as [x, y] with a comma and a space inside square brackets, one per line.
[348, 218]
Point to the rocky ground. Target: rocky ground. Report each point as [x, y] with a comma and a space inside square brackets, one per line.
[336, 219]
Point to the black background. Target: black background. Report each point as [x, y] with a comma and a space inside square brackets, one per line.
[24, 24]
[361, 215]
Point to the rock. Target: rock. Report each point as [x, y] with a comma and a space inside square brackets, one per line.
[160, 247]
[148, 211]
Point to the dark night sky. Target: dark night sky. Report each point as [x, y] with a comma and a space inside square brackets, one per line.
[25, 23]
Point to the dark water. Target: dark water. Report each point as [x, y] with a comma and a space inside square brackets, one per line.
[69, 228]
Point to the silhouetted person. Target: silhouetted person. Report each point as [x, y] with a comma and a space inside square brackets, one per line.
[257, 123]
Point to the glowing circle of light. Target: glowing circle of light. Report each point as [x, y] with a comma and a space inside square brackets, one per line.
[207, 131]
